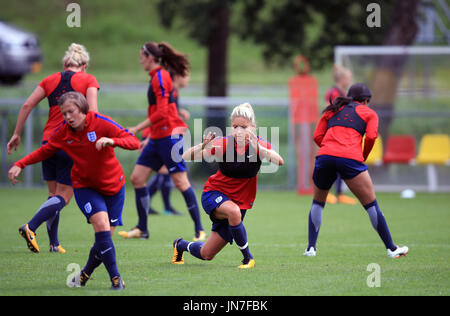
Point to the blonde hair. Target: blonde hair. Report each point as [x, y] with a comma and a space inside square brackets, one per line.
[339, 71]
[244, 110]
[76, 56]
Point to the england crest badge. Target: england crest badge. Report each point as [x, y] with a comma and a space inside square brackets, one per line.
[92, 137]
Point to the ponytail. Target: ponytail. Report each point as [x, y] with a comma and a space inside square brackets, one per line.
[168, 57]
[337, 104]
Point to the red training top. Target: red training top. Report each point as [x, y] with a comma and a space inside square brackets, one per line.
[162, 108]
[346, 142]
[241, 191]
[80, 82]
[332, 94]
[99, 170]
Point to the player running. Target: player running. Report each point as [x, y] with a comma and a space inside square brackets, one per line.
[55, 169]
[166, 131]
[228, 194]
[339, 135]
[89, 139]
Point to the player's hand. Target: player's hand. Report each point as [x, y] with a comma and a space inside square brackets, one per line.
[252, 139]
[13, 173]
[184, 114]
[13, 143]
[143, 144]
[104, 142]
[208, 139]
[132, 130]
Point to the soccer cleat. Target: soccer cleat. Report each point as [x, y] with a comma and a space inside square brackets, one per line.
[30, 238]
[247, 264]
[117, 284]
[178, 257]
[134, 233]
[345, 199]
[331, 199]
[171, 211]
[397, 253]
[152, 211]
[199, 236]
[311, 252]
[58, 249]
[80, 280]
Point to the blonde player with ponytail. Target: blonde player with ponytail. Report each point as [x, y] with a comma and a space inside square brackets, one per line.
[56, 170]
[228, 194]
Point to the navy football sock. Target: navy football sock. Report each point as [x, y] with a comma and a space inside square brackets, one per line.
[166, 188]
[47, 211]
[191, 202]
[93, 261]
[194, 248]
[379, 223]
[338, 184]
[314, 222]
[240, 237]
[107, 253]
[52, 230]
[154, 184]
[142, 206]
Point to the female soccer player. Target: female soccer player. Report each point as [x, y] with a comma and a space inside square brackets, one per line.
[339, 135]
[230, 192]
[166, 131]
[55, 169]
[97, 176]
[342, 79]
[161, 180]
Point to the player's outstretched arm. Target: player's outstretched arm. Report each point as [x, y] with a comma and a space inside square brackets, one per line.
[198, 151]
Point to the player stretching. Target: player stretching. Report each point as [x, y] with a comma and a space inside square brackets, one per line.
[230, 192]
[97, 176]
[339, 135]
[55, 169]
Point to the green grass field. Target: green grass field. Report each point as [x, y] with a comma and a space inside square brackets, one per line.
[277, 230]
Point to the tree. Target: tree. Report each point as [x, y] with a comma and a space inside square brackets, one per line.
[284, 28]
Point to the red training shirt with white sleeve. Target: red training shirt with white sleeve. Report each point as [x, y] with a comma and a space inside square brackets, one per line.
[98, 170]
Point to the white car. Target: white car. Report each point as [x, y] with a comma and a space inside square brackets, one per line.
[19, 53]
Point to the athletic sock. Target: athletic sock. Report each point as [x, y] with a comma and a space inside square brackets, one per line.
[240, 237]
[191, 203]
[154, 184]
[142, 206]
[47, 211]
[166, 188]
[107, 253]
[315, 221]
[379, 223]
[338, 184]
[52, 230]
[193, 248]
[93, 262]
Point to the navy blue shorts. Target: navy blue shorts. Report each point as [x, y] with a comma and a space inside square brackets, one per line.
[57, 168]
[212, 200]
[90, 202]
[165, 151]
[327, 167]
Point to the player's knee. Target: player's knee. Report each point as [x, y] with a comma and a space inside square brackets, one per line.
[208, 256]
[234, 215]
[136, 180]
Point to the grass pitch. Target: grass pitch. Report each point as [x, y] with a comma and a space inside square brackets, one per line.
[277, 232]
